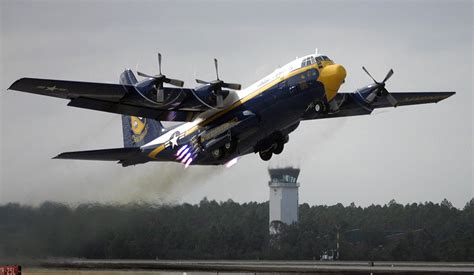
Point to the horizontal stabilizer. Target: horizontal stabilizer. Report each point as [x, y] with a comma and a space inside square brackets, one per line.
[125, 156]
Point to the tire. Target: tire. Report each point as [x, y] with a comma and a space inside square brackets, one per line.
[278, 148]
[265, 155]
[319, 107]
[217, 153]
[230, 147]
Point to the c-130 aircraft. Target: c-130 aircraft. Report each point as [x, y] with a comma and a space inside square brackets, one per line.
[221, 121]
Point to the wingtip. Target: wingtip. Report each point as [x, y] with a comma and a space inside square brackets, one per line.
[12, 87]
[449, 94]
[57, 156]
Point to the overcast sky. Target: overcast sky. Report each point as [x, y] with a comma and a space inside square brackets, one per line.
[410, 154]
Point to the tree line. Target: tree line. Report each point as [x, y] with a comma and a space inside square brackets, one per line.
[229, 230]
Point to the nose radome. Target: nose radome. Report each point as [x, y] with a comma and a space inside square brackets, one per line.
[332, 76]
[340, 72]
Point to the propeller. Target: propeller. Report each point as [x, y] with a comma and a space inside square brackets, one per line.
[380, 89]
[217, 86]
[160, 79]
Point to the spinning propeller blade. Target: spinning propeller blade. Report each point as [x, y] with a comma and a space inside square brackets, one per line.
[367, 72]
[217, 68]
[232, 86]
[145, 75]
[202, 81]
[218, 84]
[380, 89]
[161, 78]
[389, 74]
[159, 62]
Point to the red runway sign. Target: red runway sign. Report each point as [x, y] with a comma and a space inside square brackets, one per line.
[10, 270]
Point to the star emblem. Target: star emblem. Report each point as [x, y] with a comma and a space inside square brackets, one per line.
[174, 139]
[52, 88]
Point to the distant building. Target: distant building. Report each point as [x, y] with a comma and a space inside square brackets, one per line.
[283, 195]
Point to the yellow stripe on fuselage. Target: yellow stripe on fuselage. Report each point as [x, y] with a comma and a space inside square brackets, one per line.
[236, 104]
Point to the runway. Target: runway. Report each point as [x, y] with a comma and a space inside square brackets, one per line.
[253, 267]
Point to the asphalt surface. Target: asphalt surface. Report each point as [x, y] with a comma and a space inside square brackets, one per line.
[257, 266]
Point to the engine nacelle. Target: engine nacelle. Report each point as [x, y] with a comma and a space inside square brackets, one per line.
[206, 95]
[160, 97]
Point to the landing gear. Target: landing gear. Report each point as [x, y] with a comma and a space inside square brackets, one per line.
[266, 155]
[278, 147]
[224, 150]
[271, 145]
[319, 107]
[218, 153]
[230, 146]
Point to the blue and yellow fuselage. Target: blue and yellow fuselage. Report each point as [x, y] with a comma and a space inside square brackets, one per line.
[274, 105]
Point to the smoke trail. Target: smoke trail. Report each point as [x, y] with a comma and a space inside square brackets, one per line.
[165, 182]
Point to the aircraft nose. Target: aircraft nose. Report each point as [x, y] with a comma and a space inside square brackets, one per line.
[339, 72]
[332, 76]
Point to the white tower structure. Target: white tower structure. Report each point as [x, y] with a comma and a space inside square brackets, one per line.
[284, 195]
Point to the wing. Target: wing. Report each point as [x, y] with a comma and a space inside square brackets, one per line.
[124, 156]
[113, 98]
[355, 104]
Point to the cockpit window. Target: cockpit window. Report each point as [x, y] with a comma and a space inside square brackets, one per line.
[312, 60]
[325, 58]
[308, 61]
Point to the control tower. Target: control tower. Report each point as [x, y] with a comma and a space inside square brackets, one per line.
[284, 194]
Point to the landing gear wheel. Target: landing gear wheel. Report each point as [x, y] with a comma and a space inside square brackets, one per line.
[278, 147]
[230, 146]
[265, 155]
[319, 107]
[217, 153]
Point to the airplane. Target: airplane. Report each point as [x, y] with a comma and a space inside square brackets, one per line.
[220, 121]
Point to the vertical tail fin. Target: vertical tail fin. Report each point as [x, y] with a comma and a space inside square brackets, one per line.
[138, 131]
[128, 78]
